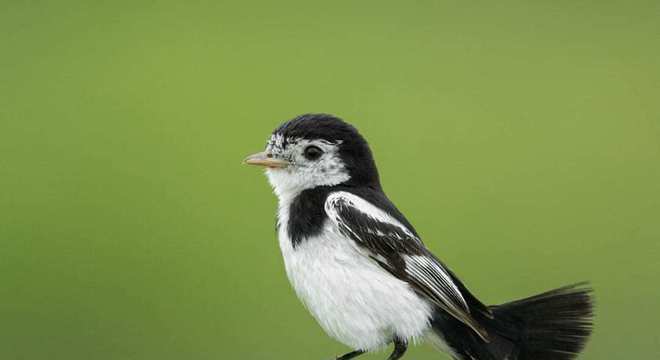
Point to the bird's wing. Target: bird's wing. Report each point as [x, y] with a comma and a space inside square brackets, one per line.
[398, 250]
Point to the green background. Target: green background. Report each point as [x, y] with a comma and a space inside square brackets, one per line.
[521, 138]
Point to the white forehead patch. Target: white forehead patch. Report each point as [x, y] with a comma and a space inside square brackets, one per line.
[276, 143]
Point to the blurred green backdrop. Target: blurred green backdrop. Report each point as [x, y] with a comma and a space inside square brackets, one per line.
[521, 138]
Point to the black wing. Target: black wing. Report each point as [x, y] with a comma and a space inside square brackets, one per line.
[398, 250]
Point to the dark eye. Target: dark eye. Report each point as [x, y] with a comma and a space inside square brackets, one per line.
[313, 152]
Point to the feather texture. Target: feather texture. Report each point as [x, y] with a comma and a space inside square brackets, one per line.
[399, 251]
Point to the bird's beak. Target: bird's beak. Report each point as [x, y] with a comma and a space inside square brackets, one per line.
[265, 159]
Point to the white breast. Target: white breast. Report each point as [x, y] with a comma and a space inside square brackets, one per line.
[355, 300]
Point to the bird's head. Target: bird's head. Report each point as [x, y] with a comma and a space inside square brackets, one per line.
[315, 150]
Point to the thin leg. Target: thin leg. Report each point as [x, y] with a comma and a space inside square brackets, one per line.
[400, 348]
[351, 355]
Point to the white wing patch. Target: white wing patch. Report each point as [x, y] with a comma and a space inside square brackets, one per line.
[433, 276]
[343, 198]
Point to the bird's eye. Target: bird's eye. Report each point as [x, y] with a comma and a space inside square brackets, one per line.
[313, 152]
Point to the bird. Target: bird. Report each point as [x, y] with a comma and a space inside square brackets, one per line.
[363, 272]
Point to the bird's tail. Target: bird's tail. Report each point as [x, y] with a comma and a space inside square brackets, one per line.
[554, 325]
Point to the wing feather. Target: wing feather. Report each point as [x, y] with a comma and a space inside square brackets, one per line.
[398, 249]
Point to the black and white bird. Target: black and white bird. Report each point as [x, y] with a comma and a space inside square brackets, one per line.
[361, 269]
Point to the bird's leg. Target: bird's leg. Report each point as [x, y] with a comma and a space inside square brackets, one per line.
[400, 348]
[351, 355]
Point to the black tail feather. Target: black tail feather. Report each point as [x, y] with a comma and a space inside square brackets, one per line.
[554, 325]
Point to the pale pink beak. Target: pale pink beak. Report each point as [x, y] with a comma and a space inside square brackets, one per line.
[265, 159]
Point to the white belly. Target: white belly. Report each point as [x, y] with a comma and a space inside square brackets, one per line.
[355, 300]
